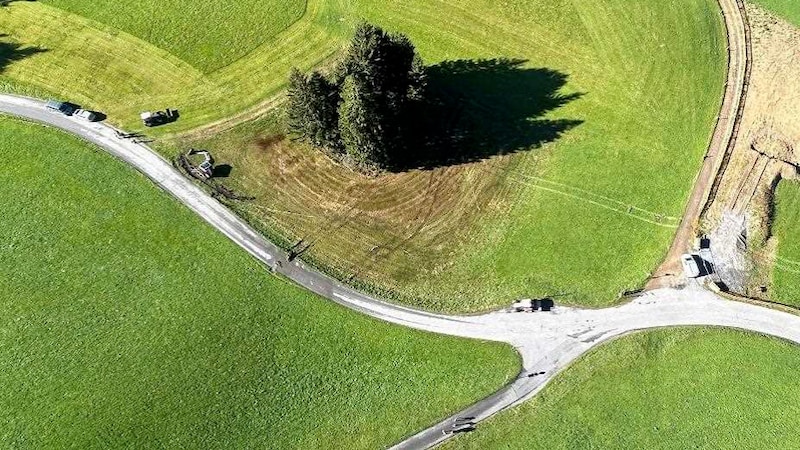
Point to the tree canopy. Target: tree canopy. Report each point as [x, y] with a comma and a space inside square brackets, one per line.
[358, 111]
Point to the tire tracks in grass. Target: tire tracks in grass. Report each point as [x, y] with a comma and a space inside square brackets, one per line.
[592, 198]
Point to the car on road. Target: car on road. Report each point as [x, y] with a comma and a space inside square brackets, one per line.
[63, 107]
[533, 305]
[459, 428]
[690, 267]
[88, 116]
[526, 305]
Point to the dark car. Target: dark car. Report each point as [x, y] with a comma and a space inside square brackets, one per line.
[63, 107]
[154, 119]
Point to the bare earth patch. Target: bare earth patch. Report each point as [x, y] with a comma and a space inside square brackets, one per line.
[400, 220]
[738, 220]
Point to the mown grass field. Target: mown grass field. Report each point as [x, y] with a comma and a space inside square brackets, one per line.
[126, 321]
[666, 389]
[97, 65]
[585, 209]
[588, 214]
[786, 229]
[788, 9]
[206, 34]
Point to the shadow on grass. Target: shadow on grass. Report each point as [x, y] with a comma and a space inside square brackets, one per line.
[222, 171]
[482, 108]
[11, 52]
[8, 2]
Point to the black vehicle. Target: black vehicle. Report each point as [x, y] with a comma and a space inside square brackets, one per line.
[154, 119]
[63, 107]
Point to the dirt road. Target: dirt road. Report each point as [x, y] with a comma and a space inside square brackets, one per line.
[669, 273]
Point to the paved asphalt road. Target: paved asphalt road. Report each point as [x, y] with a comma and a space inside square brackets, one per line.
[548, 342]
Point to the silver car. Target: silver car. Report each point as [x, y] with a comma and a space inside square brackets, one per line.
[85, 115]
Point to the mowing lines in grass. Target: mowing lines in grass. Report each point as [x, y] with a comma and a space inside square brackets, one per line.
[454, 237]
[473, 236]
[207, 34]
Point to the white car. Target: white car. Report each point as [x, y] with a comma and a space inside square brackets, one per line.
[85, 115]
[690, 267]
[526, 305]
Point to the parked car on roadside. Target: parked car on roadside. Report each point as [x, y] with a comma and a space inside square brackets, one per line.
[88, 116]
[532, 305]
[63, 107]
[154, 119]
[524, 305]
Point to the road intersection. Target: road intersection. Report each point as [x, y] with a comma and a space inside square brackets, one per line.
[547, 341]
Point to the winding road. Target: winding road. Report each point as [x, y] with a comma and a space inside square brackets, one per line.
[547, 341]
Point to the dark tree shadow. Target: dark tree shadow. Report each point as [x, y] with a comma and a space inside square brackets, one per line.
[482, 108]
[222, 171]
[12, 51]
[8, 2]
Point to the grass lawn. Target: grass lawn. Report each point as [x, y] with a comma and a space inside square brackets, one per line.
[127, 321]
[588, 214]
[207, 34]
[665, 389]
[586, 209]
[231, 58]
[788, 9]
[786, 228]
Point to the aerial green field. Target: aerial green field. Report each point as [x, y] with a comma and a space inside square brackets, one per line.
[666, 389]
[788, 9]
[786, 229]
[207, 34]
[592, 118]
[587, 213]
[223, 58]
[126, 321]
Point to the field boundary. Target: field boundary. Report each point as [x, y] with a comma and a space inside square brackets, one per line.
[739, 113]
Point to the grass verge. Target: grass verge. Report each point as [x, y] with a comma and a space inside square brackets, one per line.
[788, 9]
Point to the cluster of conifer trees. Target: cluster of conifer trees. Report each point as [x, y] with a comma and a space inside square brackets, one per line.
[360, 110]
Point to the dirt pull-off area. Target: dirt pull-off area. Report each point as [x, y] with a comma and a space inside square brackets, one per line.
[767, 149]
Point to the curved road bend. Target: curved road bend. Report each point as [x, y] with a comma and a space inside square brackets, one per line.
[161, 171]
[722, 141]
[548, 342]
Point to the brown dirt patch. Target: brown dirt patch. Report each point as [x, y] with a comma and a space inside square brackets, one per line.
[770, 132]
[362, 225]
